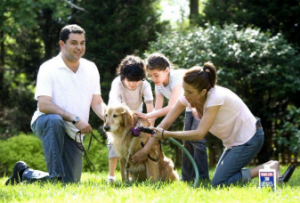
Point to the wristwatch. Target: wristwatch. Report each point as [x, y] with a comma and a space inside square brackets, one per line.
[75, 120]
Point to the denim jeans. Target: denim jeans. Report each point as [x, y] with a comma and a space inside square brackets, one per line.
[63, 158]
[197, 149]
[230, 167]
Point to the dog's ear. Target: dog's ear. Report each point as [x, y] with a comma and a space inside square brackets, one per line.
[128, 118]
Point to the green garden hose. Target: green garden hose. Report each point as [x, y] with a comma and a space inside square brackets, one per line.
[196, 181]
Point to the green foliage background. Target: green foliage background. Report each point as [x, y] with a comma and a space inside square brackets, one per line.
[271, 16]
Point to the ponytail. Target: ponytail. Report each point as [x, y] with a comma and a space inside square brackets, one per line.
[201, 77]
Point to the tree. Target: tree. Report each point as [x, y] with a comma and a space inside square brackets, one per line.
[11, 19]
[194, 11]
[25, 27]
[274, 16]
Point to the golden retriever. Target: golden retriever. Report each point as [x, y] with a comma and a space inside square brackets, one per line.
[119, 122]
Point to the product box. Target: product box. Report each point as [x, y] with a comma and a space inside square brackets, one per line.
[267, 178]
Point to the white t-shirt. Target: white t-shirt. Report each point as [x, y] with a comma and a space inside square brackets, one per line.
[70, 91]
[234, 123]
[119, 93]
[175, 78]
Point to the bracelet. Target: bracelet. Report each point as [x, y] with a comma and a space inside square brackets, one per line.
[162, 134]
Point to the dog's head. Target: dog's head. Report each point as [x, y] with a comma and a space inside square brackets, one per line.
[116, 116]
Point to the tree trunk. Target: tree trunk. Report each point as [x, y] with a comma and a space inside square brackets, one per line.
[194, 11]
[1, 75]
[2, 48]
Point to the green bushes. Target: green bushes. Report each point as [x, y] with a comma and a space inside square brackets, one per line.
[289, 136]
[23, 147]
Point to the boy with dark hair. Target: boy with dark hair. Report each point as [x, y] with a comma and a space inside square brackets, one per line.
[129, 88]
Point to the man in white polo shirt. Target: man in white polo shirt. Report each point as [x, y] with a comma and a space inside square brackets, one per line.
[67, 86]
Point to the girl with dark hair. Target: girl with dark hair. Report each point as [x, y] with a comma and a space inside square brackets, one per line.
[168, 84]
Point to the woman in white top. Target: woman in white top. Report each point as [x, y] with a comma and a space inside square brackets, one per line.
[224, 115]
[168, 84]
[129, 88]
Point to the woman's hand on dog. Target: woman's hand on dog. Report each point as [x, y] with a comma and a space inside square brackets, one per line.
[139, 157]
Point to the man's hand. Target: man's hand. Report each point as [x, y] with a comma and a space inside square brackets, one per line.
[84, 127]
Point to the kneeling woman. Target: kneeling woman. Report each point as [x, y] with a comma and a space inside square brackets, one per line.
[226, 116]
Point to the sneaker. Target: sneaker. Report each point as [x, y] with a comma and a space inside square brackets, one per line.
[287, 174]
[15, 177]
[111, 179]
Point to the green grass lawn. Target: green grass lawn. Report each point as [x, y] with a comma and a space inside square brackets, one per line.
[93, 188]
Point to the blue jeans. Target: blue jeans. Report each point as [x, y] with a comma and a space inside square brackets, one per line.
[197, 149]
[63, 158]
[230, 167]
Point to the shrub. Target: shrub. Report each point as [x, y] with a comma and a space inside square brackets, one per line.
[289, 136]
[23, 147]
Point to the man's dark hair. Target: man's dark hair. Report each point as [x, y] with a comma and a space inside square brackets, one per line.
[65, 31]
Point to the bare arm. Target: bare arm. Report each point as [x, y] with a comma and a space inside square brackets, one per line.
[98, 106]
[159, 111]
[159, 101]
[149, 106]
[46, 106]
[198, 134]
[172, 115]
[141, 155]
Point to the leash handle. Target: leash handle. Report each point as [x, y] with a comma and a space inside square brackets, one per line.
[81, 147]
